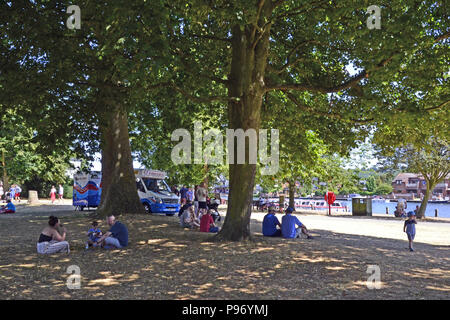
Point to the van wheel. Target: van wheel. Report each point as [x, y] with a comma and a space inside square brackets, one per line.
[147, 208]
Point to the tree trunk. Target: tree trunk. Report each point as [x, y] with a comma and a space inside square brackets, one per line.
[119, 193]
[246, 79]
[424, 203]
[292, 194]
[5, 175]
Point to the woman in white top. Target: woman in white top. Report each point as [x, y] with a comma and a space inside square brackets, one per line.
[201, 196]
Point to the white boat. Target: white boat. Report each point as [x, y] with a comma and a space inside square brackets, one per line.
[305, 204]
[335, 207]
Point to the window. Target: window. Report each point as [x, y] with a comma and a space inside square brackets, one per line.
[156, 185]
[140, 186]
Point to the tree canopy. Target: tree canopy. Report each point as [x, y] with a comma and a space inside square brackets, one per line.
[243, 58]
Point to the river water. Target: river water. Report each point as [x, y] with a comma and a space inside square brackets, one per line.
[380, 207]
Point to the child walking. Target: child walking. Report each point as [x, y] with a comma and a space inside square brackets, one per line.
[410, 228]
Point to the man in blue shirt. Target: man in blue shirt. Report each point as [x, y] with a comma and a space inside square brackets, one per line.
[189, 195]
[116, 237]
[183, 192]
[288, 223]
[270, 223]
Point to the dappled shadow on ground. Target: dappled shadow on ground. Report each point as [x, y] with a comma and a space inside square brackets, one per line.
[164, 261]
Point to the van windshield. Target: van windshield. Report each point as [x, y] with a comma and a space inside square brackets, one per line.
[156, 185]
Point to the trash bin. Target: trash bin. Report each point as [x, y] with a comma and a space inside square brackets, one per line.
[362, 207]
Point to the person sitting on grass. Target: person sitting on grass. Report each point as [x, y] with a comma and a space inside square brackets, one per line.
[410, 228]
[184, 207]
[116, 237]
[207, 223]
[50, 239]
[399, 212]
[288, 223]
[94, 235]
[188, 219]
[9, 208]
[270, 223]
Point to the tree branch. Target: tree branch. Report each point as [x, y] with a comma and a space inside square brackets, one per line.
[348, 84]
[438, 107]
[442, 37]
[323, 113]
[302, 87]
[189, 70]
[203, 99]
[209, 37]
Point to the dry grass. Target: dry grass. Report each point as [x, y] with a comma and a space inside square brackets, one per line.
[164, 261]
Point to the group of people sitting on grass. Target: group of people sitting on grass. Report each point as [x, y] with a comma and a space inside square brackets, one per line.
[202, 220]
[271, 226]
[53, 238]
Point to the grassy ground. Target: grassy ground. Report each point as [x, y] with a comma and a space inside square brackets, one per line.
[164, 261]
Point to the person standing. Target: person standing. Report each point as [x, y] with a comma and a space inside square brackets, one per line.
[12, 192]
[410, 228]
[183, 192]
[61, 193]
[176, 191]
[53, 194]
[201, 196]
[18, 192]
[195, 200]
[1, 192]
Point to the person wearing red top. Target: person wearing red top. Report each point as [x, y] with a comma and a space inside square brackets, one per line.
[207, 223]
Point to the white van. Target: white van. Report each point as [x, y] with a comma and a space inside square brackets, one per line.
[153, 191]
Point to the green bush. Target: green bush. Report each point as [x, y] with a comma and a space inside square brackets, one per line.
[383, 189]
[68, 191]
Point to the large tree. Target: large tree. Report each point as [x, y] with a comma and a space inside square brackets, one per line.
[87, 80]
[234, 52]
[431, 160]
[259, 48]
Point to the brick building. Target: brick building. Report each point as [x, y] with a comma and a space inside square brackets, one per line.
[411, 185]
